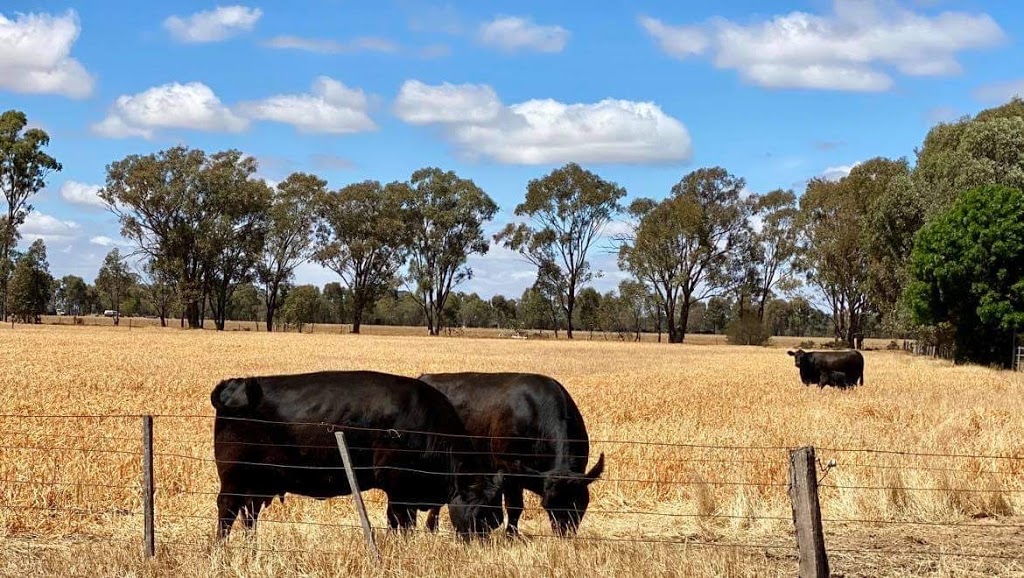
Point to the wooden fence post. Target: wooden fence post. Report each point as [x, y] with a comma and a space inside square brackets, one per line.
[148, 534]
[803, 493]
[354, 485]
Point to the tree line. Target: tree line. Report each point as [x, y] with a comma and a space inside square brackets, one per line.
[879, 250]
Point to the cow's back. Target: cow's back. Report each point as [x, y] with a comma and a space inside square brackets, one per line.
[289, 422]
[534, 408]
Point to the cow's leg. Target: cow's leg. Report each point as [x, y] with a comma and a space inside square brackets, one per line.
[432, 516]
[514, 506]
[227, 511]
[401, 517]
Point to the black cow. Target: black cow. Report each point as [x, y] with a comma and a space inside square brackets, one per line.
[549, 457]
[275, 434]
[816, 366]
[834, 378]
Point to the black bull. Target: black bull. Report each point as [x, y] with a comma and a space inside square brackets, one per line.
[274, 434]
[530, 426]
[840, 368]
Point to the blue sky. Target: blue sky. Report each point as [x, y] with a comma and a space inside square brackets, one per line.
[639, 92]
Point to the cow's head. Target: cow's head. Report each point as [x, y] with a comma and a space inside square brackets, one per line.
[567, 495]
[476, 507]
[798, 356]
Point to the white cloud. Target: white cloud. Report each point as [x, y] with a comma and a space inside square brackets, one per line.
[47, 227]
[855, 48]
[104, 241]
[513, 33]
[420, 103]
[35, 55]
[192, 105]
[332, 108]
[81, 194]
[1000, 92]
[213, 25]
[677, 41]
[542, 131]
[363, 44]
[837, 172]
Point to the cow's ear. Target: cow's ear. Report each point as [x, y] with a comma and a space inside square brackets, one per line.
[791, 353]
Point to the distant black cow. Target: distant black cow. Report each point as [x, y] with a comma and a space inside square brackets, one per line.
[275, 434]
[822, 367]
[551, 452]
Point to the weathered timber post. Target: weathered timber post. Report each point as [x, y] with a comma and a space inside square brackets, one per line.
[354, 485]
[148, 533]
[803, 493]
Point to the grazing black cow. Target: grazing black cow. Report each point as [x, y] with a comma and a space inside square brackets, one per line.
[819, 366]
[551, 452]
[275, 434]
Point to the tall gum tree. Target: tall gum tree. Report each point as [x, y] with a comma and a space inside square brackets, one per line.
[363, 235]
[568, 210]
[447, 214]
[23, 171]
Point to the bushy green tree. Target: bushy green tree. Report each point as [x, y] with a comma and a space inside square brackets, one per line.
[967, 269]
[31, 285]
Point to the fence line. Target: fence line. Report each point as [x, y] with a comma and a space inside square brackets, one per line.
[679, 479]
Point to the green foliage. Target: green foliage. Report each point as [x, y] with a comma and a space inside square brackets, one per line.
[447, 214]
[23, 171]
[834, 257]
[774, 247]
[363, 236]
[289, 236]
[302, 306]
[893, 220]
[968, 270]
[686, 247]
[747, 329]
[31, 285]
[589, 303]
[986, 149]
[200, 216]
[569, 208]
[114, 281]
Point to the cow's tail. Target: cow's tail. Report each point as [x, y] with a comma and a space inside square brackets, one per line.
[232, 395]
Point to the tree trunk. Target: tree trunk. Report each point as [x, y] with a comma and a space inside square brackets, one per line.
[358, 304]
[570, 304]
[163, 319]
[192, 315]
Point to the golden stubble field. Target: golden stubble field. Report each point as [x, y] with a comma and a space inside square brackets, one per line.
[714, 506]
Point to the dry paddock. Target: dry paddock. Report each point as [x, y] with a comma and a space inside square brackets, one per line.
[696, 440]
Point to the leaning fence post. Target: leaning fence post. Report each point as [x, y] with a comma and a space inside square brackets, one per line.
[148, 534]
[354, 485]
[803, 493]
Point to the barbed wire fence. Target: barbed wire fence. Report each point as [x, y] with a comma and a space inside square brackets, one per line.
[76, 474]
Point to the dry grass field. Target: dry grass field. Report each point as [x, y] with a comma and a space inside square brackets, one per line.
[715, 505]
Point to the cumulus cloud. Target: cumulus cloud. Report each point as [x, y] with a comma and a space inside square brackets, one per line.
[47, 227]
[35, 55]
[513, 33]
[323, 46]
[82, 194]
[192, 105]
[854, 48]
[331, 107]
[104, 241]
[213, 25]
[542, 131]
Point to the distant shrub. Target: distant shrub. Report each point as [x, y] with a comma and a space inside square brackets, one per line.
[806, 344]
[747, 330]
